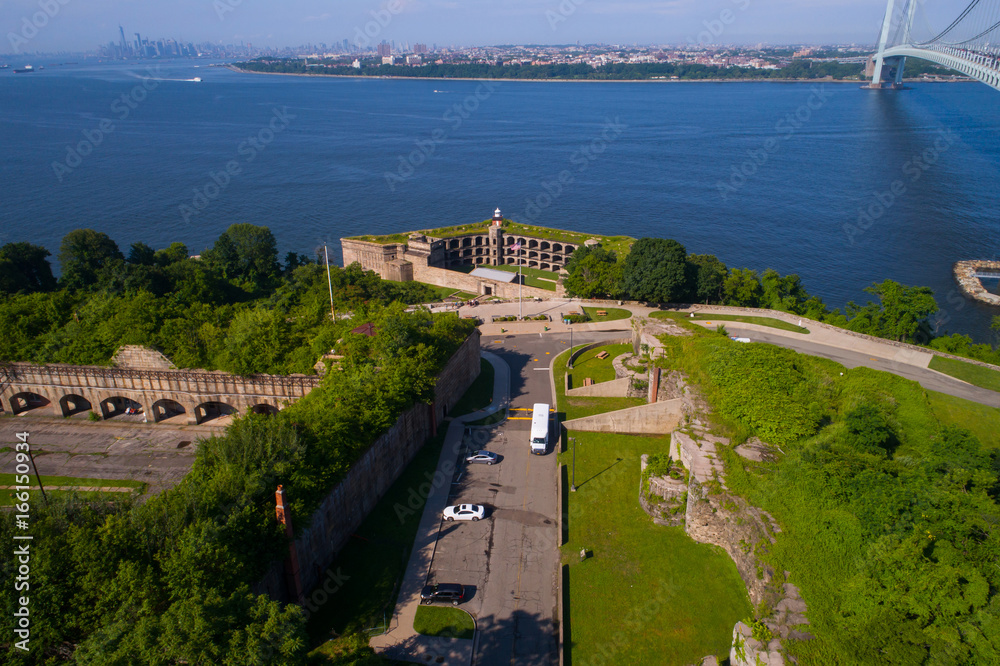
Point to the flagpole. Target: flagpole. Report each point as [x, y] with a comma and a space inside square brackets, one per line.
[520, 285]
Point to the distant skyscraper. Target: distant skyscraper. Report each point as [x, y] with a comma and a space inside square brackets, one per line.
[384, 49]
[121, 31]
[419, 48]
[347, 46]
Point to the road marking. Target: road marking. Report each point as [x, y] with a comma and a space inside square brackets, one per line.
[539, 368]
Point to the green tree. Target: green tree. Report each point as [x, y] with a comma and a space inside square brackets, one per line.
[597, 274]
[655, 271]
[246, 253]
[901, 314]
[82, 255]
[783, 293]
[742, 288]
[171, 255]
[24, 268]
[709, 277]
[141, 254]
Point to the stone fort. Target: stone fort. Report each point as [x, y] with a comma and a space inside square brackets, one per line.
[433, 257]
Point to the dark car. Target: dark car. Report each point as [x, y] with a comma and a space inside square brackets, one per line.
[443, 592]
[482, 457]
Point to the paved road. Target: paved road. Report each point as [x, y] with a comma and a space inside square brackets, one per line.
[929, 379]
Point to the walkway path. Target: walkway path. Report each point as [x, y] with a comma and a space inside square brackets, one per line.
[401, 641]
[845, 347]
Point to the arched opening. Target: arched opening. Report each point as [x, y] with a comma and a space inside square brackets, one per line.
[453, 244]
[532, 255]
[166, 409]
[544, 267]
[467, 253]
[545, 256]
[569, 249]
[509, 240]
[544, 246]
[466, 242]
[27, 401]
[267, 410]
[532, 264]
[557, 247]
[119, 405]
[511, 260]
[209, 411]
[479, 241]
[532, 243]
[74, 404]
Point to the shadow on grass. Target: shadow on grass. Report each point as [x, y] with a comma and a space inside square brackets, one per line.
[614, 464]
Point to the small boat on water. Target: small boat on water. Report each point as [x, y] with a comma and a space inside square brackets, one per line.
[24, 70]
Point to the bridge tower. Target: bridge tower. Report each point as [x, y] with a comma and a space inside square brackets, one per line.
[898, 61]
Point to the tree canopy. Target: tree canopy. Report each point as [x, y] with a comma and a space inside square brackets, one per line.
[656, 271]
[83, 254]
[24, 269]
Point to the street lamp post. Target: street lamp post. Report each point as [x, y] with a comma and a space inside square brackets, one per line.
[573, 484]
[570, 363]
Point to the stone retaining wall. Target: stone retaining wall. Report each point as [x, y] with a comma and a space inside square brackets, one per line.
[347, 505]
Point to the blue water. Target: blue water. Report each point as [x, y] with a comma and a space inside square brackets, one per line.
[637, 159]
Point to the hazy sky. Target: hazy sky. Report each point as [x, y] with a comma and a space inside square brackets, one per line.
[73, 25]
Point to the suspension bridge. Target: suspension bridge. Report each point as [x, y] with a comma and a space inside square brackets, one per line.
[969, 44]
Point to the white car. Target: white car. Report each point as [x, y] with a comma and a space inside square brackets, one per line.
[482, 457]
[471, 512]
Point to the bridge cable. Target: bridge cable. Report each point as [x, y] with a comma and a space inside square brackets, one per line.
[954, 24]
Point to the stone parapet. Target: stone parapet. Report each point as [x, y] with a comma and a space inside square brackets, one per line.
[966, 276]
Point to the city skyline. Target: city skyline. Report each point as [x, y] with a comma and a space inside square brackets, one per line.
[66, 26]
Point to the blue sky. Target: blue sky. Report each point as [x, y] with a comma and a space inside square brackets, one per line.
[82, 24]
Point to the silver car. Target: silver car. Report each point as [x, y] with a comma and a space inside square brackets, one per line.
[482, 457]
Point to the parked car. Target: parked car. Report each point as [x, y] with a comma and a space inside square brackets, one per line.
[471, 512]
[483, 457]
[443, 592]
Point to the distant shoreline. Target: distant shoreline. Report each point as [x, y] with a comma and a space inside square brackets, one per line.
[458, 78]
[859, 82]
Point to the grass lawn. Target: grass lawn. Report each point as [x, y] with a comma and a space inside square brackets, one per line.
[479, 395]
[983, 421]
[614, 314]
[746, 319]
[976, 375]
[648, 594]
[444, 621]
[533, 277]
[600, 370]
[574, 408]
[373, 562]
[440, 293]
[8, 480]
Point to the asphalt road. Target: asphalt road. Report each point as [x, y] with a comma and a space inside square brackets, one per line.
[929, 379]
[513, 555]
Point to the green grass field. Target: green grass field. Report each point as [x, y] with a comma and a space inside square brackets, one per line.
[440, 293]
[600, 370]
[746, 319]
[444, 621]
[479, 395]
[533, 277]
[983, 421]
[648, 594]
[574, 408]
[614, 314]
[974, 374]
[7, 498]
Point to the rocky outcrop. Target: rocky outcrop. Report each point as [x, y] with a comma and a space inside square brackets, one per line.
[965, 275]
[664, 498]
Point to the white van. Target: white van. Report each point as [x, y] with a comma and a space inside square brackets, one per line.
[539, 428]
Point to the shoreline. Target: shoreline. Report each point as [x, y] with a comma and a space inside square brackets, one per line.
[457, 78]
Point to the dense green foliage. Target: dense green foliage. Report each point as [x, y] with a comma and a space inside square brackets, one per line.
[660, 271]
[234, 309]
[169, 581]
[888, 513]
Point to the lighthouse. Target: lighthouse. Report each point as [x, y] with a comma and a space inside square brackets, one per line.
[497, 218]
[496, 239]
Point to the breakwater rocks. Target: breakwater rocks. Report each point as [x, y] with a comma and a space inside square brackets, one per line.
[966, 276]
